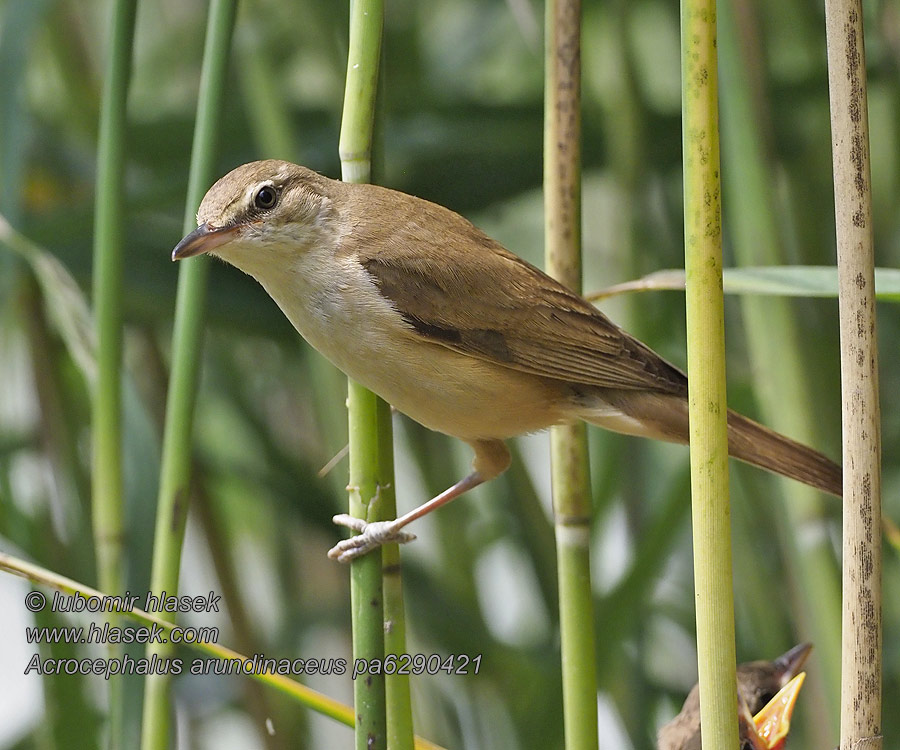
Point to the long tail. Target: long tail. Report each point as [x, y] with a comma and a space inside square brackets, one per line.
[665, 417]
[760, 446]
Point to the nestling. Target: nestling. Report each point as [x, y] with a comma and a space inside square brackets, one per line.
[414, 302]
[764, 711]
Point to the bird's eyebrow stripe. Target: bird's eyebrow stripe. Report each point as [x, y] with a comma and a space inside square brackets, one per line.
[252, 190]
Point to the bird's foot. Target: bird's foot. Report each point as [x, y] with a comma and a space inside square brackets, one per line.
[370, 536]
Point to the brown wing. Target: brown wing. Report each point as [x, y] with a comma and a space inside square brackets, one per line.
[511, 313]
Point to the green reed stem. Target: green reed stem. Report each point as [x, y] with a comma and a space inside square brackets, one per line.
[710, 506]
[569, 450]
[174, 491]
[383, 708]
[109, 221]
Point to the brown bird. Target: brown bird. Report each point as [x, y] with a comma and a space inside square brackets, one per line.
[758, 684]
[412, 301]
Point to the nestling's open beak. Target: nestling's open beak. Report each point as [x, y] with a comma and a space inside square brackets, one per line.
[773, 722]
[789, 663]
[202, 240]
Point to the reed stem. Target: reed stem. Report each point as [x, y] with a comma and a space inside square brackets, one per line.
[711, 513]
[383, 707]
[109, 222]
[861, 629]
[174, 490]
[569, 449]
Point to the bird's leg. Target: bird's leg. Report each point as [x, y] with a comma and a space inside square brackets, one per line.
[491, 459]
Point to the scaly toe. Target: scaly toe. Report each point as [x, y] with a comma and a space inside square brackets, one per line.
[370, 536]
[351, 522]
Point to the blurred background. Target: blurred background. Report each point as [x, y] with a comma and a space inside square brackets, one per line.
[460, 123]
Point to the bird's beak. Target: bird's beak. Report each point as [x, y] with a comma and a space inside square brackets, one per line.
[789, 662]
[773, 722]
[202, 240]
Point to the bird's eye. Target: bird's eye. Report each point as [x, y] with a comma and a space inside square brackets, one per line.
[266, 198]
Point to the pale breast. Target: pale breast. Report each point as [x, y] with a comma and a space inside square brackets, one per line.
[342, 314]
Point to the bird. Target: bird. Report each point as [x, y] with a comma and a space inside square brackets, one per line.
[765, 704]
[418, 305]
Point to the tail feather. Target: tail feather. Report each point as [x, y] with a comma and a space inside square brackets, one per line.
[665, 417]
[751, 442]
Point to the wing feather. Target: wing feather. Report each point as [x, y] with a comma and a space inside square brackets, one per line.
[528, 321]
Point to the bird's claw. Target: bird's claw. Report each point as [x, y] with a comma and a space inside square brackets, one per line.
[369, 536]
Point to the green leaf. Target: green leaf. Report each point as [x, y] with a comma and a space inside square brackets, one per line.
[788, 281]
[67, 307]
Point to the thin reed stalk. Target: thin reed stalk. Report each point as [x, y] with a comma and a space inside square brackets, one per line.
[367, 448]
[397, 688]
[569, 450]
[171, 512]
[383, 708]
[109, 221]
[711, 512]
[861, 681]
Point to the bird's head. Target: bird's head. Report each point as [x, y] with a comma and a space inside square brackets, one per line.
[759, 681]
[261, 213]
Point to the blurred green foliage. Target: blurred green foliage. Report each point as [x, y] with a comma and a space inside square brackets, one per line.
[460, 123]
